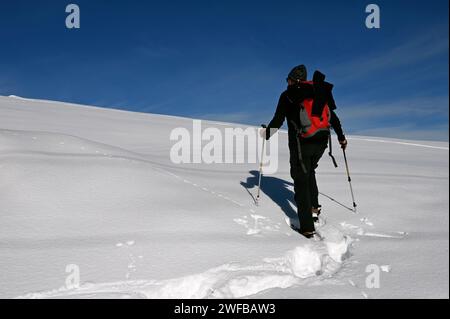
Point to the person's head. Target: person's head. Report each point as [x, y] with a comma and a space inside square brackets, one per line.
[297, 75]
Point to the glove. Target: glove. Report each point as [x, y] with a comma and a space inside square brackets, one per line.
[343, 144]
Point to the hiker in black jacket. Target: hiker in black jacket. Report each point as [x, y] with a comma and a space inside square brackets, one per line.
[312, 148]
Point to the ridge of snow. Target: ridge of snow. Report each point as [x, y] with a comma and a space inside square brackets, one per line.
[227, 281]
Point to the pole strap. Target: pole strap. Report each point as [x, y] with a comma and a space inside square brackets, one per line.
[330, 153]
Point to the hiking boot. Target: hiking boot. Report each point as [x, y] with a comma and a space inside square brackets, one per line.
[309, 234]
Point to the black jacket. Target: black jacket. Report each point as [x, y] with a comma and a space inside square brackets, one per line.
[288, 108]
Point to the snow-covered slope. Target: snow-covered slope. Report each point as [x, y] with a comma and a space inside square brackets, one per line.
[95, 188]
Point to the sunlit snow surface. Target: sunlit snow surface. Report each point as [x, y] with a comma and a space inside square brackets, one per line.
[95, 188]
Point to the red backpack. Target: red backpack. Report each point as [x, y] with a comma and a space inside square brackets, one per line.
[311, 123]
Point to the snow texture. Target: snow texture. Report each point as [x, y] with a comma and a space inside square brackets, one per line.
[95, 188]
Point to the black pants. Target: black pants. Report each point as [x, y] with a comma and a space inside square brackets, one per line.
[305, 185]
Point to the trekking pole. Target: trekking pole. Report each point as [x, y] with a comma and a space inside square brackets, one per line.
[349, 180]
[260, 167]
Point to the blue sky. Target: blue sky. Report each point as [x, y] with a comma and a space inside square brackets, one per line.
[228, 60]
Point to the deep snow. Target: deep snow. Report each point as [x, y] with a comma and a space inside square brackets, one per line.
[96, 188]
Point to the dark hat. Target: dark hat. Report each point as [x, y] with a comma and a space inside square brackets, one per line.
[298, 73]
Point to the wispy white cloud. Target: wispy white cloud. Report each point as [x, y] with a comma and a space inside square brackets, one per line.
[398, 111]
[416, 49]
[412, 107]
[410, 118]
[437, 133]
